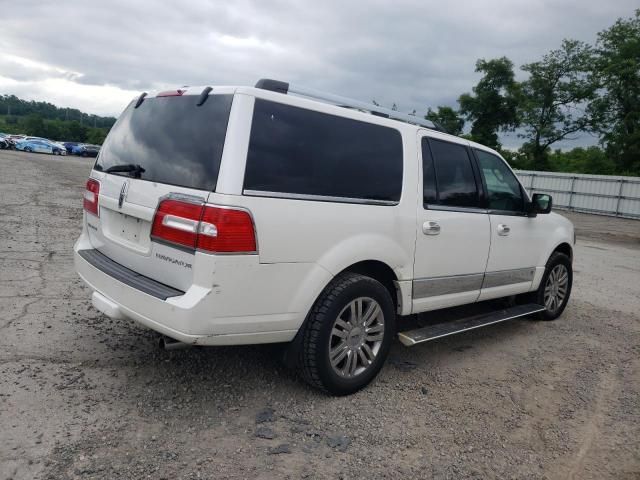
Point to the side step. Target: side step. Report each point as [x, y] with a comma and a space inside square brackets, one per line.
[439, 330]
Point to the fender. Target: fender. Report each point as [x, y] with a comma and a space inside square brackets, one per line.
[561, 231]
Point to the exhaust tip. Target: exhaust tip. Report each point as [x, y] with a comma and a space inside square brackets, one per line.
[166, 343]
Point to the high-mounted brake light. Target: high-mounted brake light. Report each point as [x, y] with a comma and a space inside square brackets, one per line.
[171, 93]
[204, 227]
[90, 197]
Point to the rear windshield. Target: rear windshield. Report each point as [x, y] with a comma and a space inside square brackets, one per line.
[175, 141]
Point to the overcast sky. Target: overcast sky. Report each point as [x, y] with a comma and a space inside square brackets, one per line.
[96, 55]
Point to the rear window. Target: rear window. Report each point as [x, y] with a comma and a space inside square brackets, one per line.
[311, 154]
[173, 139]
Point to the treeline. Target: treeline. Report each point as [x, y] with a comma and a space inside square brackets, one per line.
[12, 105]
[43, 119]
[574, 90]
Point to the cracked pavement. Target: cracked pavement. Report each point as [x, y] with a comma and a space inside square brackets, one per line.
[84, 396]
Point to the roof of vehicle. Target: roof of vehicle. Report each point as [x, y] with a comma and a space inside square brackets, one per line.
[273, 94]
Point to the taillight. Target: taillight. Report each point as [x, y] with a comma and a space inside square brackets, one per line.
[204, 227]
[226, 230]
[90, 200]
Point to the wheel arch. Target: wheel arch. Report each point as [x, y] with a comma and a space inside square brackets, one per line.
[379, 271]
[565, 248]
[376, 269]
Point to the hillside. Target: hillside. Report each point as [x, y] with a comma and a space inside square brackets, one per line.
[44, 119]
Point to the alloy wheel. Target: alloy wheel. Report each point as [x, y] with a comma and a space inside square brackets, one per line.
[356, 337]
[555, 289]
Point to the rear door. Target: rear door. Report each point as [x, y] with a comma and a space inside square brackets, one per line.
[177, 146]
[515, 237]
[452, 243]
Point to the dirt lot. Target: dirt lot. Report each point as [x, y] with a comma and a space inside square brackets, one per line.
[83, 396]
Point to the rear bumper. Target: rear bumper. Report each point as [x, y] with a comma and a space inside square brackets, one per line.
[191, 317]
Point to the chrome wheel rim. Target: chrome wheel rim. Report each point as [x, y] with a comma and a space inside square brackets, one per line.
[356, 337]
[555, 290]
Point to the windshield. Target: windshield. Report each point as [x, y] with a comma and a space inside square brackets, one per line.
[175, 141]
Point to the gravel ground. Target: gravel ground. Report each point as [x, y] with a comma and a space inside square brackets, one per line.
[83, 396]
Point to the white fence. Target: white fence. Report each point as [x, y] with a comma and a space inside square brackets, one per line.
[602, 194]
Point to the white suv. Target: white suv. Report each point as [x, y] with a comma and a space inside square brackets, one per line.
[237, 215]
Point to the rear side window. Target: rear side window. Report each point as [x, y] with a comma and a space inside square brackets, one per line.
[455, 183]
[297, 151]
[173, 139]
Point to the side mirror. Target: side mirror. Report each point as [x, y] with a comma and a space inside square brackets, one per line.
[540, 203]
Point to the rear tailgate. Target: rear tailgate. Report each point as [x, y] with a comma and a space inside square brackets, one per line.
[176, 146]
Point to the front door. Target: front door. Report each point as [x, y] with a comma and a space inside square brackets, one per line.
[453, 235]
[515, 237]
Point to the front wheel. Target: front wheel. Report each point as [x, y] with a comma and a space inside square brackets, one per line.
[347, 335]
[555, 287]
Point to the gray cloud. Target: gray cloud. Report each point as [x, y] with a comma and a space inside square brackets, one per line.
[415, 53]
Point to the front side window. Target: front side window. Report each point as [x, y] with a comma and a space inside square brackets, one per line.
[455, 181]
[503, 189]
[307, 153]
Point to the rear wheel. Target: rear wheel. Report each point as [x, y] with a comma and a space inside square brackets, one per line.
[555, 287]
[347, 335]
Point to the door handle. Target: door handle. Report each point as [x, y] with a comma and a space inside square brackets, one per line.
[431, 228]
[503, 229]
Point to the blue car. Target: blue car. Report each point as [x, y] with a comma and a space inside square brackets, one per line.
[69, 146]
[40, 146]
[85, 150]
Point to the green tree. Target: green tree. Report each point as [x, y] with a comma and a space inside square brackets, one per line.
[554, 99]
[617, 108]
[34, 125]
[96, 136]
[492, 105]
[447, 118]
[592, 160]
[76, 132]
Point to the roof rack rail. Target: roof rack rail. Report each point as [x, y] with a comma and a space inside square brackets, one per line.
[284, 87]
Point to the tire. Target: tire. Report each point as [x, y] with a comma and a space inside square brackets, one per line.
[552, 285]
[358, 343]
[84, 154]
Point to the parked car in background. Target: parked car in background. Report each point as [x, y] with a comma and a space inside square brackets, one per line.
[85, 150]
[69, 146]
[5, 142]
[41, 146]
[17, 138]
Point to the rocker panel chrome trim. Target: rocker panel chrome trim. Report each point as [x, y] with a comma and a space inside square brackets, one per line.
[508, 277]
[436, 286]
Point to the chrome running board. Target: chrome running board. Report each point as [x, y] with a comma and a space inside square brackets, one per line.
[439, 330]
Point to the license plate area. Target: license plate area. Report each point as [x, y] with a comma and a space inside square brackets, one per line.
[127, 230]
